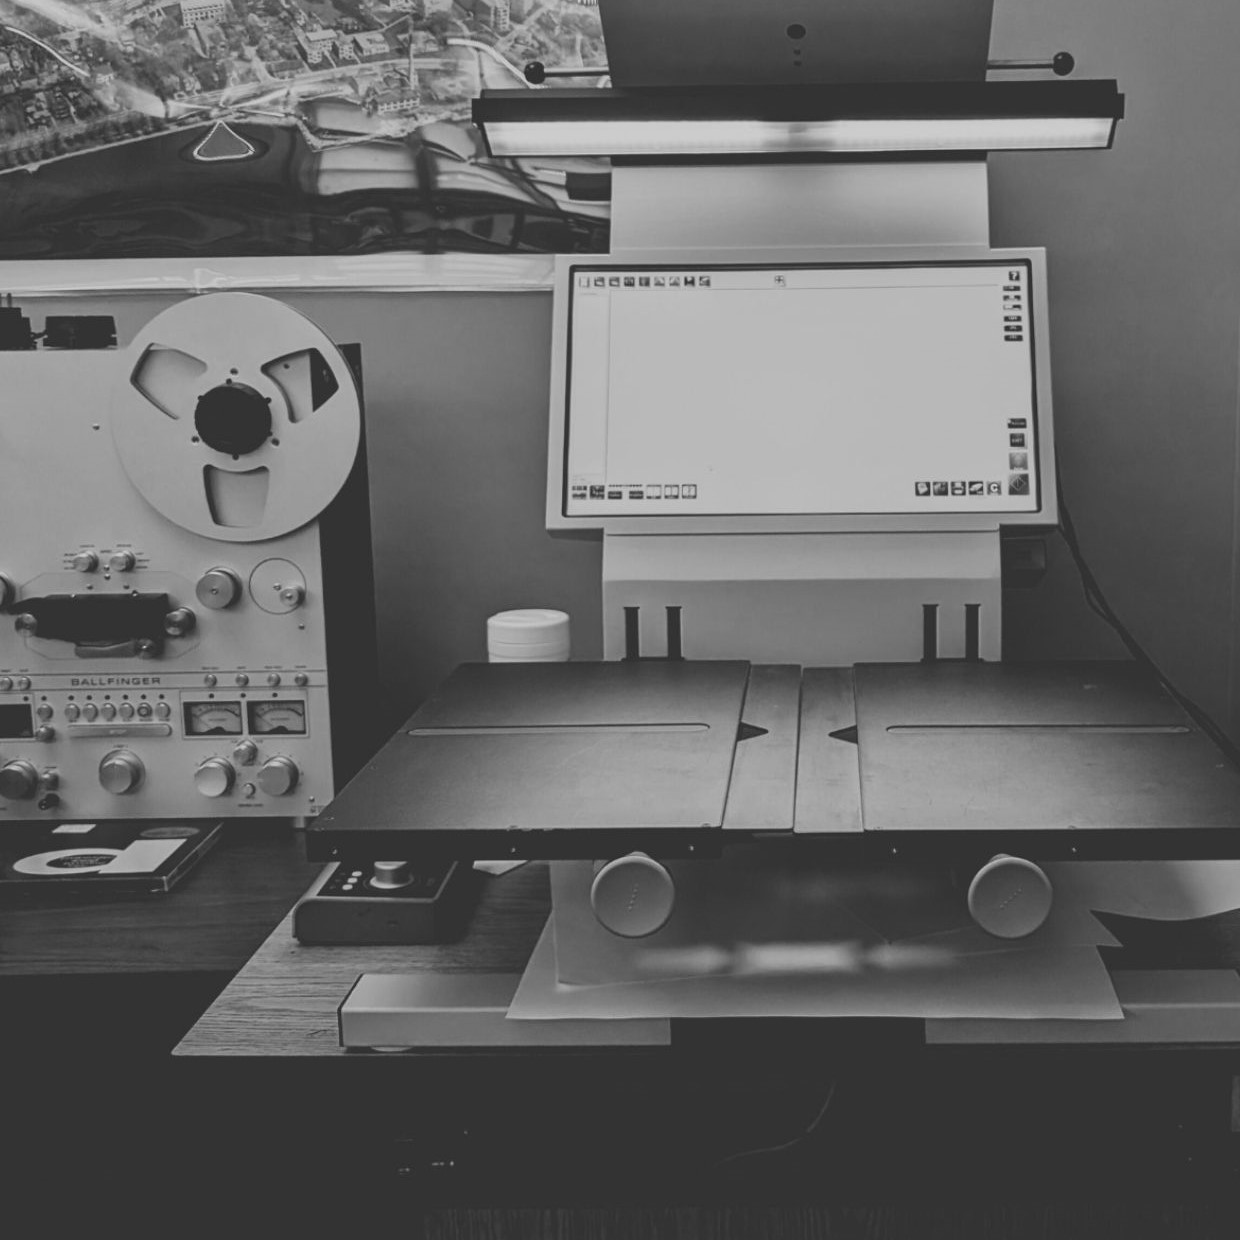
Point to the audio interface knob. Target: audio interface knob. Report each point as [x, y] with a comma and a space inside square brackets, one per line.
[121, 772]
[86, 561]
[391, 875]
[245, 753]
[214, 777]
[218, 588]
[121, 561]
[278, 777]
[179, 621]
[18, 781]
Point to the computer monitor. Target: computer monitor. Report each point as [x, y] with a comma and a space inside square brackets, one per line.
[856, 393]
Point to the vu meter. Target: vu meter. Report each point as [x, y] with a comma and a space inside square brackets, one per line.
[187, 628]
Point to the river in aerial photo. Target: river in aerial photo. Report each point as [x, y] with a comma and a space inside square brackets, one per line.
[431, 191]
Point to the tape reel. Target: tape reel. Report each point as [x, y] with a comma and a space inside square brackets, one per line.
[237, 418]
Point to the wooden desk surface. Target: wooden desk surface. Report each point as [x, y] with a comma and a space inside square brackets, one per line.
[210, 923]
[284, 1001]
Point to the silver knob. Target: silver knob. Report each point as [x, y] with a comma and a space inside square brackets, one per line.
[43, 711]
[126, 710]
[242, 679]
[301, 680]
[293, 596]
[6, 683]
[121, 772]
[277, 777]
[214, 777]
[179, 621]
[108, 710]
[23, 683]
[273, 679]
[245, 753]
[45, 732]
[72, 711]
[18, 781]
[632, 896]
[121, 561]
[391, 875]
[218, 588]
[90, 712]
[86, 561]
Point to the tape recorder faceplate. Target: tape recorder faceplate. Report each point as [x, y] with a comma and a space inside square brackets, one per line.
[184, 557]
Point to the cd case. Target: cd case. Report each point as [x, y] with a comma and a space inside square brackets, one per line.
[127, 858]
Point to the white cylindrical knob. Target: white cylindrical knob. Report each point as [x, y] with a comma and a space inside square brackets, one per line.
[121, 772]
[86, 561]
[632, 896]
[214, 778]
[293, 596]
[391, 875]
[531, 635]
[218, 588]
[278, 777]
[121, 561]
[1010, 897]
[18, 781]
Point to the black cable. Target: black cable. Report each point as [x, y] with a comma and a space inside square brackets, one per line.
[1101, 607]
[807, 1132]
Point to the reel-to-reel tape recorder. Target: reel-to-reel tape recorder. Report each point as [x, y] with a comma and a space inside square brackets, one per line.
[184, 558]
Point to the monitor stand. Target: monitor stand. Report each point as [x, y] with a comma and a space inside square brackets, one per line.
[819, 600]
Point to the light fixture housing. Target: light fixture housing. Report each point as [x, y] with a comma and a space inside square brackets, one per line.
[840, 120]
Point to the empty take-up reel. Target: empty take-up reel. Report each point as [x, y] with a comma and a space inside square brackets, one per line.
[179, 596]
[240, 420]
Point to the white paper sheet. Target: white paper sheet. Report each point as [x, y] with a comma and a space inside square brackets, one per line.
[1159, 890]
[1068, 983]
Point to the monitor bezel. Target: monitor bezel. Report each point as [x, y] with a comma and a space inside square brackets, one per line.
[1045, 515]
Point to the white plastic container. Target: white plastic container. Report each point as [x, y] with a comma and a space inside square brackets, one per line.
[530, 635]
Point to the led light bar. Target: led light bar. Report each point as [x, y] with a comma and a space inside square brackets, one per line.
[939, 117]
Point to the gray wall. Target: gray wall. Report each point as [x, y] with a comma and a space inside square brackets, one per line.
[1144, 256]
[1145, 280]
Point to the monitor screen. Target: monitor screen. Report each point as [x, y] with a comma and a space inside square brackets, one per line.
[844, 389]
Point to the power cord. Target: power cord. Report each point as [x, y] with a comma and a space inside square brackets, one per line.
[1101, 607]
[804, 1135]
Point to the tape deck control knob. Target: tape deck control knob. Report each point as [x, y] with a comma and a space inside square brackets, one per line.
[86, 561]
[214, 777]
[218, 588]
[121, 771]
[18, 781]
[121, 561]
[179, 621]
[278, 777]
